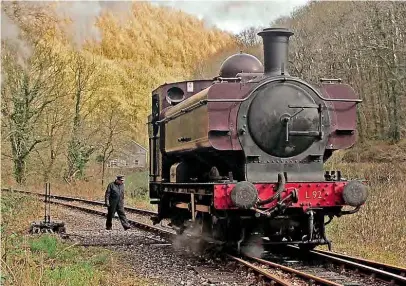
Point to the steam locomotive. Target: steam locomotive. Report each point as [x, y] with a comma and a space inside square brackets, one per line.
[243, 153]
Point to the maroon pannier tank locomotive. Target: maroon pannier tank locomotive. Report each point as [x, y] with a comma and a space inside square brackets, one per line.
[243, 153]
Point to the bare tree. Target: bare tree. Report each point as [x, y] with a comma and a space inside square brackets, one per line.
[362, 43]
[85, 84]
[55, 124]
[111, 133]
[248, 37]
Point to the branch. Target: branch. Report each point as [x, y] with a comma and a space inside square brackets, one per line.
[6, 155]
[35, 143]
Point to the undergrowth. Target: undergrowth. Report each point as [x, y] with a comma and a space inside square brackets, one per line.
[376, 152]
[45, 259]
[378, 230]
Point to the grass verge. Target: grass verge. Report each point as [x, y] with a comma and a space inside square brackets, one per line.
[378, 230]
[45, 259]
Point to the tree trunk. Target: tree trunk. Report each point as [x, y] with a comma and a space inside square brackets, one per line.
[103, 171]
[74, 144]
[19, 171]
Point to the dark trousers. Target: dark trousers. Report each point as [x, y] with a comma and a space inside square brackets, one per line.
[116, 206]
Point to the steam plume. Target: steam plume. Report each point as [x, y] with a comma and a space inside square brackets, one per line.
[12, 33]
[84, 14]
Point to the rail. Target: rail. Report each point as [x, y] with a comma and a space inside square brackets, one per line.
[303, 275]
[361, 265]
[98, 203]
[383, 266]
[267, 274]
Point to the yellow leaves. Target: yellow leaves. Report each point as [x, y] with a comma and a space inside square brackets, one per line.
[139, 50]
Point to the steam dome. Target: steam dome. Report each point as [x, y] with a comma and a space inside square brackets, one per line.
[240, 63]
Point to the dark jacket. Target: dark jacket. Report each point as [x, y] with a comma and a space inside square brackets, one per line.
[114, 192]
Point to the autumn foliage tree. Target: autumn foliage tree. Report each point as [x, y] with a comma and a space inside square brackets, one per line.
[68, 101]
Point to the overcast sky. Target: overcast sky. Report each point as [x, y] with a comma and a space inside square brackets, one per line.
[234, 16]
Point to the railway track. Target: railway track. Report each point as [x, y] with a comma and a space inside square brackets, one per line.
[90, 202]
[393, 275]
[382, 266]
[374, 272]
[303, 275]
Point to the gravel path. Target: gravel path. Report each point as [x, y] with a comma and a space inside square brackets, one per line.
[151, 257]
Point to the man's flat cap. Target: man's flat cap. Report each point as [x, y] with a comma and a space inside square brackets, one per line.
[120, 177]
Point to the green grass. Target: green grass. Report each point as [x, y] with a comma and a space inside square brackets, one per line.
[45, 244]
[77, 274]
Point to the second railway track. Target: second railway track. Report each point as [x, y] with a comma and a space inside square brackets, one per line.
[372, 272]
[86, 201]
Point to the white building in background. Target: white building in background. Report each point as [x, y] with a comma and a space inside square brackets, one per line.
[131, 155]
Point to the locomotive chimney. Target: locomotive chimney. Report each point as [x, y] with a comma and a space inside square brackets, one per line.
[276, 48]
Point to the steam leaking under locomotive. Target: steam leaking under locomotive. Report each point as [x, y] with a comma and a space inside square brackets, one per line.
[244, 152]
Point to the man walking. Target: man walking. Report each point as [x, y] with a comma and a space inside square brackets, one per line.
[114, 199]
